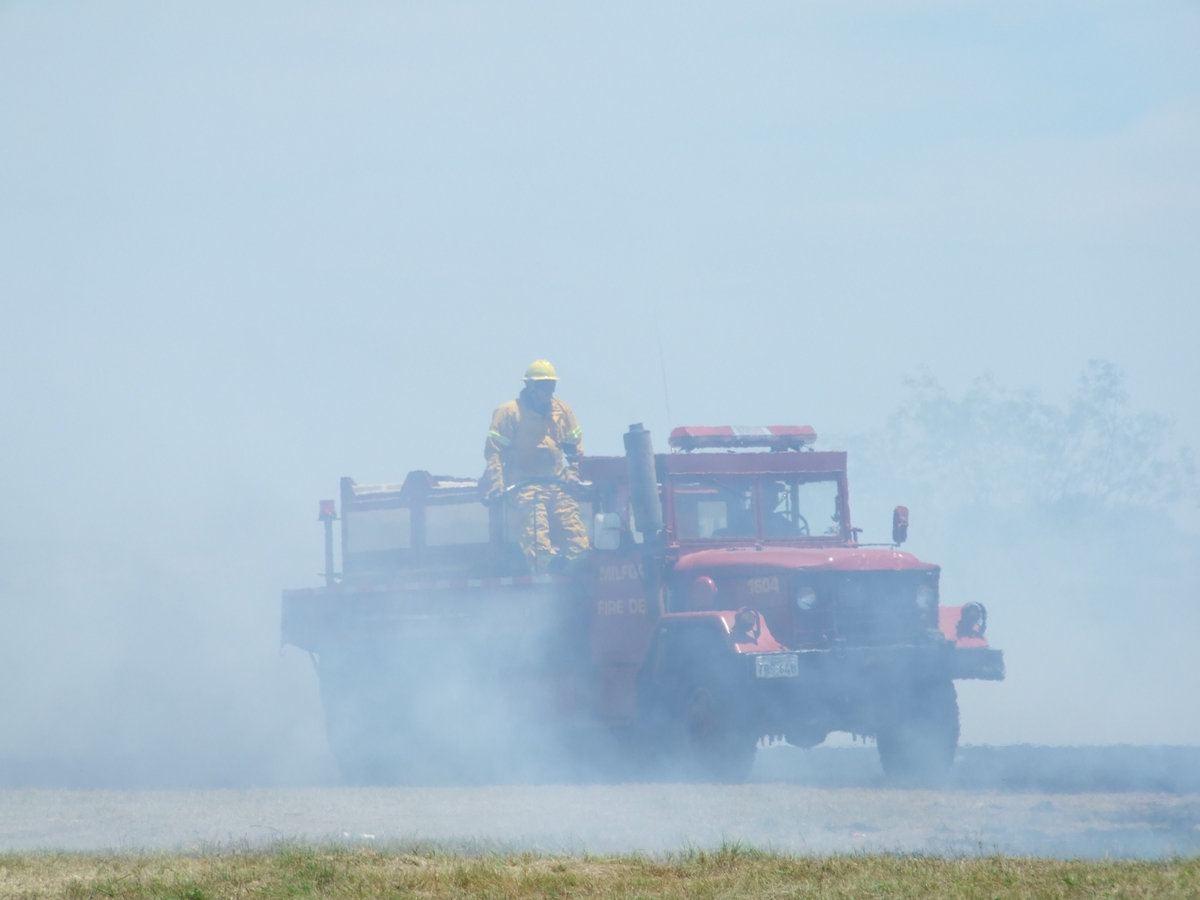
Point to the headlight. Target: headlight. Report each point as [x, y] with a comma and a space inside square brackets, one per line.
[925, 597]
[806, 599]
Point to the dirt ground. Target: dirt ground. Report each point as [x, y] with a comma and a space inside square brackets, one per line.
[1127, 802]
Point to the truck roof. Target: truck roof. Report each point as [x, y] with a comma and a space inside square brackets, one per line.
[785, 558]
[827, 462]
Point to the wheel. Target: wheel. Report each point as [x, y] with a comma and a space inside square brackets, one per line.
[694, 717]
[714, 744]
[920, 733]
[359, 739]
[386, 723]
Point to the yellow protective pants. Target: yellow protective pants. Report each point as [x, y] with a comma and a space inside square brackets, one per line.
[545, 516]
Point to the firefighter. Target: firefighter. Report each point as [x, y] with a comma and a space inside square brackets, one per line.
[533, 448]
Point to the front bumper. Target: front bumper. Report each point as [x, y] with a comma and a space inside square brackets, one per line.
[854, 664]
[806, 694]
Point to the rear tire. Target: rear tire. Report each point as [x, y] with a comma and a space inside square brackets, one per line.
[361, 741]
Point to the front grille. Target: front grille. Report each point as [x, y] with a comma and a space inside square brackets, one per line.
[869, 609]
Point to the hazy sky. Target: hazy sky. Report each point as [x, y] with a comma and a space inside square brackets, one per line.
[248, 248]
[302, 239]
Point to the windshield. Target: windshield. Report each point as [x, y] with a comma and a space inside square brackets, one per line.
[786, 506]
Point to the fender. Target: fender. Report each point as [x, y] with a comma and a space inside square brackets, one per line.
[719, 638]
[743, 630]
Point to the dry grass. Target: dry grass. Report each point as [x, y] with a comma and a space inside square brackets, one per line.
[336, 873]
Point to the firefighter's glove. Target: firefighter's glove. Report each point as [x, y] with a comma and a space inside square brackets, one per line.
[571, 482]
[493, 496]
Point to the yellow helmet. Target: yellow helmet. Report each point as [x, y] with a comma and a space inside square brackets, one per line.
[541, 370]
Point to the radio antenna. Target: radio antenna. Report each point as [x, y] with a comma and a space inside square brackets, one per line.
[662, 364]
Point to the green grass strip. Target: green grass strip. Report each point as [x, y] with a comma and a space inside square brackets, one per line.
[732, 871]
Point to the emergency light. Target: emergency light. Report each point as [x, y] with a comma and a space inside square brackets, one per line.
[732, 437]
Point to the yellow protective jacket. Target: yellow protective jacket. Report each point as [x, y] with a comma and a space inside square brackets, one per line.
[523, 444]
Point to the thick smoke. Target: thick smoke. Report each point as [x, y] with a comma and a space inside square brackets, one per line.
[138, 658]
[470, 691]
[135, 658]
[1071, 524]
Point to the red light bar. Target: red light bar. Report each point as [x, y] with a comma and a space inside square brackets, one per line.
[728, 437]
[326, 511]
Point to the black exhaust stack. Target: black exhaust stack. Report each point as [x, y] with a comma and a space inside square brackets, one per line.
[647, 510]
[643, 482]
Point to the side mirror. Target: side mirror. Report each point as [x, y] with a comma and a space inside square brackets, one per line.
[606, 533]
[899, 524]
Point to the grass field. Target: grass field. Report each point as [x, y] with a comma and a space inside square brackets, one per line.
[733, 871]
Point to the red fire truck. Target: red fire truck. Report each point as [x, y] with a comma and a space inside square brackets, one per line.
[726, 599]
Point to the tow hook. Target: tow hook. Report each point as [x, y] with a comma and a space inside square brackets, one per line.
[972, 621]
[747, 626]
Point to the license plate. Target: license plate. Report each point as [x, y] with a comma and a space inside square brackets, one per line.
[785, 665]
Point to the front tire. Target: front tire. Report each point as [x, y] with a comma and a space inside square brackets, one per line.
[714, 743]
[692, 701]
[919, 736]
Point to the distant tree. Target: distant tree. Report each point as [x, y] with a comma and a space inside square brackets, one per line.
[1118, 456]
[1003, 447]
